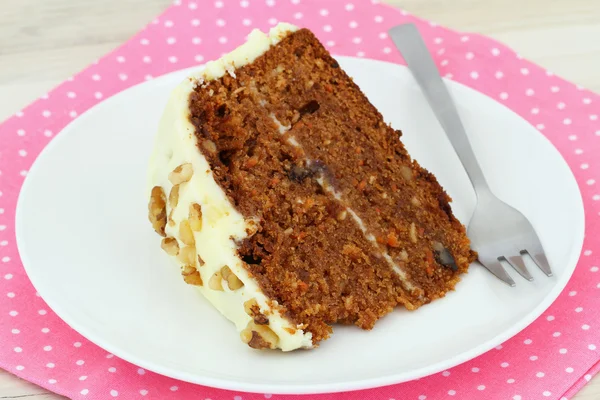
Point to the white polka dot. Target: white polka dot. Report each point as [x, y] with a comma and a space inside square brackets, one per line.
[19, 368]
[353, 24]
[572, 137]
[474, 369]
[5, 259]
[446, 373]
[594, 117]
[349, 7]
[222, 40]
[192, 6]
[378, 19]
[360, 54]
[495, 52]
[173, 388]
[141, 371]
[42, 312]
[327, 28]
[422, 397]
[556, 334]
[585, 327]
[46, 113]
[195, 22]
[112, 369]
[297, 15]
[443, 63]
[464, 39]
[527, 341]
[481, 387]
[171, 40]
[540, 374]
[114, 393]
[529, 92]
[324, 12]
[50, 365]
[198, 58]
[587, 253]
[584, 166]
[71, 95]
[20, 132]
[511, 380]
[47, 348]
[592, 346]
[83, 377]
[45, 330]
[579, 309]
[109, 355]
[15, 331]
[437, 40]
[567, 121]
[587, 377]
[562, 351]
[13, 313]
[18, 350]
[533, 358]
[569, 370]
[469, 56]
[19, 114]
[594, 268]
[79, 362]
[96, 77]
[516, 397]
[77, 344]
[547, 393]
[3, 227]
[504, 95]
[270, 3]
[561, 106]
[273, 21]
[499, 74]
[555, 89]
[168, 23]
[572, 293]
[578, 151]
[451, 392]
[441, 51]
[10, 295]
[330, 43]
[143, 392]
[84, 392]
[524, 71]
[356, 40]
[172, 59]
[387, 50]
[144, 42]
[48, 133]
[504, 365]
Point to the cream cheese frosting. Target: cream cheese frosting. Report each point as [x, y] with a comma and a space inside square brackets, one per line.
[202, 225]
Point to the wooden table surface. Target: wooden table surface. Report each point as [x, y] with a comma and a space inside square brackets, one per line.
[44, 42]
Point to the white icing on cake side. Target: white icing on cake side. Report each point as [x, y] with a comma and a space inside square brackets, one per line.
[222, 224]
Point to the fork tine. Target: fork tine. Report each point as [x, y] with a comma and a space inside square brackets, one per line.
[497, 269]
[540, 259]
[519, 265]
[536, 251]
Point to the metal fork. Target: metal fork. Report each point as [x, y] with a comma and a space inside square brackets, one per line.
[497, 231]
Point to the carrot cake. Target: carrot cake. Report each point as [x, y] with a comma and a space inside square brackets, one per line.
[287, 200]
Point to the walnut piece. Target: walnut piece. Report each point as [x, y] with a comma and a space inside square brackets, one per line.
[186, 235]
[259, 336]
[187, 255]
[181, 174]
[191, 275]
[157, 210]
[215, 281]
[195, 217]
[170, 246]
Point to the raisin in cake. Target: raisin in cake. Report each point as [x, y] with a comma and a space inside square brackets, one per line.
[288, 201]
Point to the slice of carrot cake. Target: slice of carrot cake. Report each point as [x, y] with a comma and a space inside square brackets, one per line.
[289, 202]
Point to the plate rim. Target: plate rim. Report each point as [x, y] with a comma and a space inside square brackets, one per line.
[298, 388]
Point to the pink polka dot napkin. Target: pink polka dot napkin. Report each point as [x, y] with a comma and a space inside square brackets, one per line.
[551, 359]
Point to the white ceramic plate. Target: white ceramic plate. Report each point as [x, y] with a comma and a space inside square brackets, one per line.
[89, 250]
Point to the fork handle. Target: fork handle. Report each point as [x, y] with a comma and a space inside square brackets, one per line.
[409, 42]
